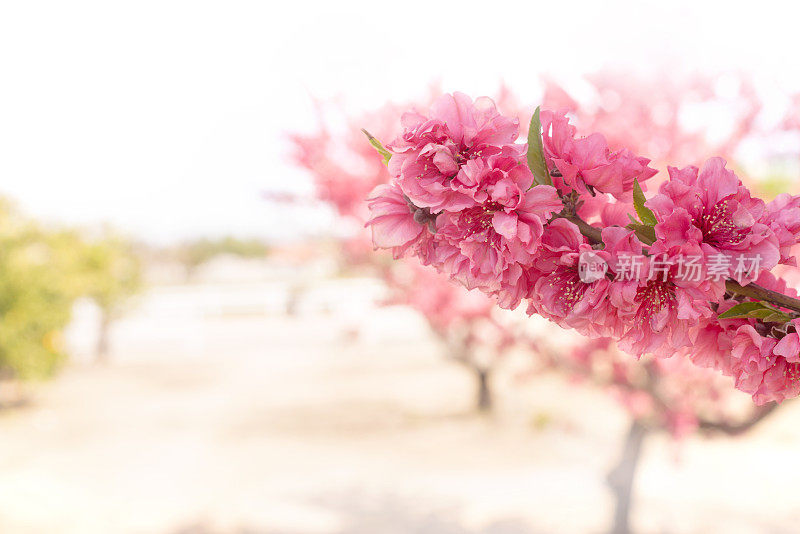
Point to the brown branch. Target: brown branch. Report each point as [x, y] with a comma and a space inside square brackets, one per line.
[723, 427]
[737, 429]
[662, 406]
[593, 233]
[757, 292]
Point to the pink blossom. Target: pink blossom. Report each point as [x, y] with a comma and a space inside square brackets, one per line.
[478, 178]
[713, 340]
[783, 217]
[588, 161]
[660, 302]
[774, 374]
[751, 353]
[722, 213]
[560, 294]
[625, 251]
[781, 381]
[485, 245]
[789, 346]
[395, 224]
[432, 150]
[761, 370]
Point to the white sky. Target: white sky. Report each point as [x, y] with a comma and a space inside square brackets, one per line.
[166, 118]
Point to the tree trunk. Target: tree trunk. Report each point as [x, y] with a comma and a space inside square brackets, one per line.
[484, 392]
[621, 477]
[101, 355]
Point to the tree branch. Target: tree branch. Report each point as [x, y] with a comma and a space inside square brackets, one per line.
[593, 233]
[757, 292]
[736, 429]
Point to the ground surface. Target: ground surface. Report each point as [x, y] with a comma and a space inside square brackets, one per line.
[219, 414]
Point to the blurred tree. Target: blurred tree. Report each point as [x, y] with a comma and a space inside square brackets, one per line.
[110, 273]
[36, 293]
[42, 272]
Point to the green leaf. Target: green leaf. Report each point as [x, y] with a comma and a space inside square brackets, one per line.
[645, 233]
[378, 146]
[760, 314]
[536, 162]
[777, 317]
[742, 310]
[756, 310]
[645, 214]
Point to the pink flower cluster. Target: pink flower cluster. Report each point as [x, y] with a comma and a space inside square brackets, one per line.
[587, 162]
[762, 358]
[463, 200]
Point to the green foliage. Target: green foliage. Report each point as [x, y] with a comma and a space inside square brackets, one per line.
[536, 161]
[110, 272]
[645, 233]
[378, 146]
[756, 310]
[35, 295]
[645, 214]
[42, 272]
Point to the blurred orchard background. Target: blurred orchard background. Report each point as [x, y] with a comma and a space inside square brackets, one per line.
[196, 337]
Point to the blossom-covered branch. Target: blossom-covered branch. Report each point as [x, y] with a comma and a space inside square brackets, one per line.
[564, 225]
[751, 290]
